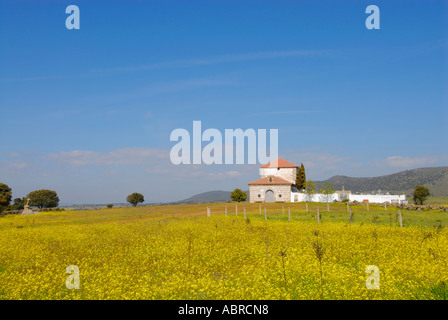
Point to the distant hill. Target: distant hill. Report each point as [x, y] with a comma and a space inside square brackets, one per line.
[435, 178]
[210, 196]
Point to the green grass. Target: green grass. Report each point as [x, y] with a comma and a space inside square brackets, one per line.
[338, 213]
[437, 200]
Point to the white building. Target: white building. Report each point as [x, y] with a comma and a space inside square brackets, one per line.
[277, 185]
[378, 198]
[372, 198]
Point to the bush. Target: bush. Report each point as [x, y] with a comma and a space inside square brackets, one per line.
[50, 210]
[109, 206]
[19, 204]
[5, 197]
[135, 198]
[43, 199]
[421, 193]
[238, 195]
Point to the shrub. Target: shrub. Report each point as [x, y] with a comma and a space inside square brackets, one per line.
[238, 195]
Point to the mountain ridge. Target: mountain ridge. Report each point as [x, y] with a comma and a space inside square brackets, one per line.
[402, 182]
[435, 178]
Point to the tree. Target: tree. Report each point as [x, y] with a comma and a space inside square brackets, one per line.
[135, 198]
[327, 190]
[301, 178]
[310, 188]
[238, 195]
[5, 196]
[19, 204]
[43, 199]
[421, 193]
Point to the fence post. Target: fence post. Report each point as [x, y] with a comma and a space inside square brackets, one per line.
[283, 209]
[208, 212]
[236, 210]
[368, 209]
[260, 209]
[318, 215]
[265, 214]
[351, 216]
[400, 218]
[348, 208]
[307, 207]
[385, 206]
[226, 211]
[244, 212]
[328, 206]
[289, 214]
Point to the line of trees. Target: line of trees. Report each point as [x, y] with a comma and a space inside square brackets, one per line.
[40, 198]
[49, 199]
[44, 198]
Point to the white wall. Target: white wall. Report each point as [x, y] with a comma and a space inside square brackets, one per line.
[316, 197]
[289, 174]
[378, 198]
[372, 198]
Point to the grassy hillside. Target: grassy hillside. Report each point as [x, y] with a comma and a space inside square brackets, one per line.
[436, 179]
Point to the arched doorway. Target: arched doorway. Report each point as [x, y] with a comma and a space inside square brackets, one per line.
[269, 196]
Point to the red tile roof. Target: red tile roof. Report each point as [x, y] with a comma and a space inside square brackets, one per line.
[270, 180]
[280, 163]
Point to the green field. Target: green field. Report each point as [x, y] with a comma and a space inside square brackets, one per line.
[437, 200]
[277, 211]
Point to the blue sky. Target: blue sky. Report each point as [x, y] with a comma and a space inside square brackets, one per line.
[89, 112]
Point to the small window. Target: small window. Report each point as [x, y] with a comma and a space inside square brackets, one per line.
[259, 196]
[279, 195]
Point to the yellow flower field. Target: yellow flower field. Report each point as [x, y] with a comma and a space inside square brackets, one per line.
[217, 257]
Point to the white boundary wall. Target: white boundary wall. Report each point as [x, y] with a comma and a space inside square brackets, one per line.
[315, 197]
[372, 198]
[378, 198]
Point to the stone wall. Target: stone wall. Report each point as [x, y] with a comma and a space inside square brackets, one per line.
[281, 192]
[288, 174]
[424, 207]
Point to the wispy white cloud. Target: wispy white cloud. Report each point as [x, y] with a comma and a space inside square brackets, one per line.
[148, 160]
[316, 160]
[224, 175]
[148, 115]
[182, 63]
[182, 85]
[284, 112]
[124, 156]
[408, 162]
